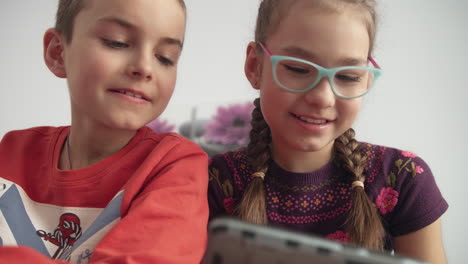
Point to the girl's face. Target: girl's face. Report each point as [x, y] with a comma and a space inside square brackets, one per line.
[311, 121]
[121, 63]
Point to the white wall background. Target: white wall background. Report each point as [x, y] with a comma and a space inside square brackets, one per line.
[418, 104]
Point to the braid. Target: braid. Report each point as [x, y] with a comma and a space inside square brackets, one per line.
[346, 148]
[363, 223]
[252, 207]
[258, 149]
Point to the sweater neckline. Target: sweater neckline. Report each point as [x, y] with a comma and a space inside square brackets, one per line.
[66, 177]
[323, 174]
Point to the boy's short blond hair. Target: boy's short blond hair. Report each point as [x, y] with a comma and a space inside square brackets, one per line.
[67, 11]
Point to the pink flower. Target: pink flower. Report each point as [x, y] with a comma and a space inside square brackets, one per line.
[408, 154]
[339, 236]
[386, 200]
[228, 204]
[419, 169]
[230, 124]
[160, 126]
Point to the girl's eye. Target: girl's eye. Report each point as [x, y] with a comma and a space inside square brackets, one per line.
[296, 69]
[115, 44]
[164, 61]
[348, 77]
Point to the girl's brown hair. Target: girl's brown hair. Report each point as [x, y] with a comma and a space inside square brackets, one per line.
[363, 222]
[67, 11]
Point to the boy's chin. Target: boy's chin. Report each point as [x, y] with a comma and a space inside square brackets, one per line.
[127, 125]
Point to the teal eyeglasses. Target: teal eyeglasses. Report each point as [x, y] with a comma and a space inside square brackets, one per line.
[299, 76]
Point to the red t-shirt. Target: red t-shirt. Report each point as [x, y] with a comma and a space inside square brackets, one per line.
[145, 204]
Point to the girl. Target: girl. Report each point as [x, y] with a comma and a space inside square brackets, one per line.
[303, 168]
[107, 189]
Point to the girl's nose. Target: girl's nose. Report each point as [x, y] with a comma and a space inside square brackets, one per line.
[321, 95]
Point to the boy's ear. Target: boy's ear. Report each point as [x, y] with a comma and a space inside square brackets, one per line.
[53, 52]
[252, 66]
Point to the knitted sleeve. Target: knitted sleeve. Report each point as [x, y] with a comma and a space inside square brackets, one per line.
[220, 188]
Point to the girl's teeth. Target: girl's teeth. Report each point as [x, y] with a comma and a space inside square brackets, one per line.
[312, 121]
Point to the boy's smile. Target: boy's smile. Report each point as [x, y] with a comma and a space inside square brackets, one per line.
[132, 95]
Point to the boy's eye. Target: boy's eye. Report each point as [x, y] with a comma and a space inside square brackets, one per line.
[164, 61]
[115, 44]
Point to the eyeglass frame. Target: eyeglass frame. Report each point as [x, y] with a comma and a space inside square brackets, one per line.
[323, 72]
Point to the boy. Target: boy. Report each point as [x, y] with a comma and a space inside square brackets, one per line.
[107, 189]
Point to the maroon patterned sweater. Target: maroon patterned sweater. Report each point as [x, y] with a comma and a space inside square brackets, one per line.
[399, 183]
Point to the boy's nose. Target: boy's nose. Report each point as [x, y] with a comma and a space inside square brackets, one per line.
[141, 68]
[141, 74]
[321, 95]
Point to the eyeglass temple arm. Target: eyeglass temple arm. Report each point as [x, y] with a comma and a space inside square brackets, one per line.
[265, 49]
[373, 62]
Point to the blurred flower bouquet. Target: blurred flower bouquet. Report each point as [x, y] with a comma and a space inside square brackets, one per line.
[230, 125]
[161, 126]
[229, 128]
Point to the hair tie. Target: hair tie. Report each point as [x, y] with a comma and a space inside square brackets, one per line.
[357, 184]
[259, 174]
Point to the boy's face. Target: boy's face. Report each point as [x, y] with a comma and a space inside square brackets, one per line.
[121, 63]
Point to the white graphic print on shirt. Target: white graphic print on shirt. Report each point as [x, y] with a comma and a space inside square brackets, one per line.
[65, 233]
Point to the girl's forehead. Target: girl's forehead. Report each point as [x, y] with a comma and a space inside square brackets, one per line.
[312, 12]
[324, 34]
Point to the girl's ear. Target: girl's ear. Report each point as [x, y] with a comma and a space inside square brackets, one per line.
[53, 52]
[252, 65]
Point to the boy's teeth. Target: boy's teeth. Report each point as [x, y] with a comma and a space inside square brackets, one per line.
[312, 121]
[134, 95]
